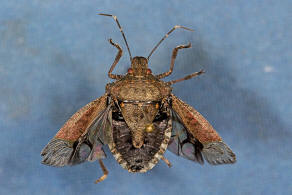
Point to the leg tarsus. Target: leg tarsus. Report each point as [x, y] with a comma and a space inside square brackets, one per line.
[118, 56]
[104, 170]
[166, 161]
[173, 57]
[186, 77]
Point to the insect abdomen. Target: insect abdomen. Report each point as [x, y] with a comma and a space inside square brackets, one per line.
[144, 158]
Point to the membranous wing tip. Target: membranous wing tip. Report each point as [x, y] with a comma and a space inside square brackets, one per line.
[217, 153]
[57, 153]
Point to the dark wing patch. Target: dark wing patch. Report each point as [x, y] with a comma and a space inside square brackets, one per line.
[104, 123]
[184, 144]
[60, 152]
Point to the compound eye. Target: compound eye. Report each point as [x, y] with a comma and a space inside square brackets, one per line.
[149, 71]
[130, 71]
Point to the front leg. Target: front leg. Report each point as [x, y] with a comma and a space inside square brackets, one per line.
[173, 57]
[118, 56]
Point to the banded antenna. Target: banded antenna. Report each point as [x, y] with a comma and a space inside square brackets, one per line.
[165, 36]
[116, 19]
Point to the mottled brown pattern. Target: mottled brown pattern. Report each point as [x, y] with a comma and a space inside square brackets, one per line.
[131, 87]
[137, 118]
[195, 123]
[79, 122]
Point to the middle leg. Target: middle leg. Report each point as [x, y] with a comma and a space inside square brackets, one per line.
[186, 77]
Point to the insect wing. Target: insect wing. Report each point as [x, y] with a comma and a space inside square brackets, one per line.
[98, 134]
[182, 143]
[71, 145]
[214, 150]
[89, 145]
[57, 153]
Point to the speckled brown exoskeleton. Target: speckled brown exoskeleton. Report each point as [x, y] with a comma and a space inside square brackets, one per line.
[138, 117]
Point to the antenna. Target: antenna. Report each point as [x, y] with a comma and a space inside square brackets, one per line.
[165, 36]
[116, 19]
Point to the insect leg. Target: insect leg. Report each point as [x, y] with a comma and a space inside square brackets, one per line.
[165, 36]
[166, 161]
[116, 19]
[104, 170]
[186, 77]
[174, 54]
[118, 56]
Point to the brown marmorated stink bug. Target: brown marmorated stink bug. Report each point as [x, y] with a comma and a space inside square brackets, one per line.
[138, 118]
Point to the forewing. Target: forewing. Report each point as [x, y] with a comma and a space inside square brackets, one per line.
[80, 138]
[214, 150]
[89, 145]
[81, 120]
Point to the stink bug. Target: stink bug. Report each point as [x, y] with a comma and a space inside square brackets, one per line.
[138, 117]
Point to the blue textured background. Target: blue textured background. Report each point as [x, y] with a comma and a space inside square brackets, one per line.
[54, 58]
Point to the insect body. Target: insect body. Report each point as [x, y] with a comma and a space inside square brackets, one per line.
[138, 118]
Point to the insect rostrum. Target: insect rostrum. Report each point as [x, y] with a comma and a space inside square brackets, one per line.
[138, 117]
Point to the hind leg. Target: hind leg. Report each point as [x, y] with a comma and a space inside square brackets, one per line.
[104, 170]
[166, 161]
